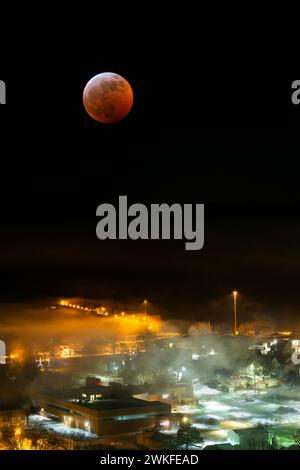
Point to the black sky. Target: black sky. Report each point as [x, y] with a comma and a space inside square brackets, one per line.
[199, 132]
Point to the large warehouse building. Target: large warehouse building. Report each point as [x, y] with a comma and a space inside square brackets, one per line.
[103, 416]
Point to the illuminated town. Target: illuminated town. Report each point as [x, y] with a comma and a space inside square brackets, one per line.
[107, 378]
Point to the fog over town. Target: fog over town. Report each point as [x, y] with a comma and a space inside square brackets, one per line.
[85, 373]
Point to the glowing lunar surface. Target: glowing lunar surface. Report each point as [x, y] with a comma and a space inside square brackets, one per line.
[108, 97]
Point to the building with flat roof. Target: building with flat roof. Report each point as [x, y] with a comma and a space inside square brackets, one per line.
[103, 416]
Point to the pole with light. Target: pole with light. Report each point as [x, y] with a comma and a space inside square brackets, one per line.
[186, 424]
[18, 433]
[145, 305]
[234, 309]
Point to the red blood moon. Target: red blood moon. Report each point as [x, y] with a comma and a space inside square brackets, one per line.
[108, 97]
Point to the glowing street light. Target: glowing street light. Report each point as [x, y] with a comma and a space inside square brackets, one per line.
[234, 310]
[145, 305]
[18, 432]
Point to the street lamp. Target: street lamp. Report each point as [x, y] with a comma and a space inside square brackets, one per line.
[145, 305]
[18, 432]
[186, 430]
[234, 308]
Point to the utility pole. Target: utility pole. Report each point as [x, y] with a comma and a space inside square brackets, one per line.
[234, 311]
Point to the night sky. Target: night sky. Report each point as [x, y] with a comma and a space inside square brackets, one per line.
[202, 130]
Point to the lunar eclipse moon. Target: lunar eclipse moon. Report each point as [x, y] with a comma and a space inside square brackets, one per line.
[108, 97]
